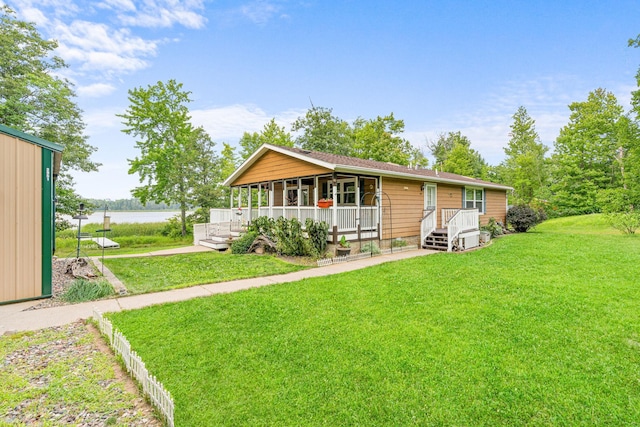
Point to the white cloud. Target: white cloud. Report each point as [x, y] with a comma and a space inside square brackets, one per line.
[96, 90]
[230, 122]
[97, 47]
[259, 12]
[158, 13]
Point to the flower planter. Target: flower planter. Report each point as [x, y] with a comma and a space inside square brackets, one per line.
[343, 251]
[324, 204]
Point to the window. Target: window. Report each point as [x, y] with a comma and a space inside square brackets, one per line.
[474, 198]
[346, 191]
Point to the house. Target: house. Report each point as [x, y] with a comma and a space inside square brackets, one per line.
[361, 199]
[29, 167]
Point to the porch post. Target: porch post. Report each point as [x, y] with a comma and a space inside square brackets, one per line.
[259, 198]
[334, 195]
[315, 198]
[230, 197]
[299, 191]
[250, 203]
[271, 199]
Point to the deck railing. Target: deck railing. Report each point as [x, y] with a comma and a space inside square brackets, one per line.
[447, 214]
[462, 220]
[347, 217]
[427, 225]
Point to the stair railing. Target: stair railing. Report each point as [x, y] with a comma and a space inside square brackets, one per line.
[464, 219]
[427, 225]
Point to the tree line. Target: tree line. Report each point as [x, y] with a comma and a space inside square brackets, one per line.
[594, 165]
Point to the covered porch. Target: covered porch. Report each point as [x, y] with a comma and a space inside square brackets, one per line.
[347, 203]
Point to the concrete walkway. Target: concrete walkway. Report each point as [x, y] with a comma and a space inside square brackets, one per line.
[13, 318]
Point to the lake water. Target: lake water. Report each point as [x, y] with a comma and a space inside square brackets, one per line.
[126, 216]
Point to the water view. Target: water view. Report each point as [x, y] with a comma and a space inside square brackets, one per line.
[127, 216]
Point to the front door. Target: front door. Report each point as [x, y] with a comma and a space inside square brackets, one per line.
[429, 197]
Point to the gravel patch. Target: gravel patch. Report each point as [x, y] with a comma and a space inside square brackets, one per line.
[64, 272]
[96, 391]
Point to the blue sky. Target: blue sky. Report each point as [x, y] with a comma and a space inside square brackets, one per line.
[440, 66]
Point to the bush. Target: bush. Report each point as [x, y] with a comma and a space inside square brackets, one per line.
[289, 238]
[86, 290]
[398, 243]
[371, 248]
[493, 228]
[318, 232]
[264, 226]
[524, 217]
[242, 245]
[627, 222]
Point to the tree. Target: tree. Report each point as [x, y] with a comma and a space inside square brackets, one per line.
[525, 167]
[453, 153]
[205, 178]
[270, 134]
[228, 164]
[441, 148]
[35, 100]
[585, 153]
[171, 151]
[379, 140]
[321, 131]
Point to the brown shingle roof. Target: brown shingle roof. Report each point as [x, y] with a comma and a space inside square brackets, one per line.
[346, 162]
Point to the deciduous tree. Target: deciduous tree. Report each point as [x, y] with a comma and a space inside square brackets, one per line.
[322, 131]
[585, 153]
[270, 134]
[171, 151]
[35, 100]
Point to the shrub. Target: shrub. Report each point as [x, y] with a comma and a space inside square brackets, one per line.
[264, 226]
[86, 290]
[318, 232]
[398, 243]
[493, 228]
[627, 222]
[524, 217]
[173, 227]
[371, 248]
[242, 245]
[289, 238]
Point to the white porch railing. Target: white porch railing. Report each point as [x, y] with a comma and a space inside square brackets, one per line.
[346, 217]
[462, 220]
[447, 214]
[427, 225]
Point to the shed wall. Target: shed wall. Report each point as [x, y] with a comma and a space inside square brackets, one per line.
[20, 219]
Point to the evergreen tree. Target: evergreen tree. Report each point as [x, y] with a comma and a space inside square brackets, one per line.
[525, 167]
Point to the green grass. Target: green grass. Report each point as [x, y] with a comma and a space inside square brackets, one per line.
[133, 238]
[150, 274]
[57, 376]
[586, 224]
[86, 290]
[541, 328]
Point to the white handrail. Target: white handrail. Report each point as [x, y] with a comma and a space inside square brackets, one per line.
[447, 214]
[427, 225]
[464, 219]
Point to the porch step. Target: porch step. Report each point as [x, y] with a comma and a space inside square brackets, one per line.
[436, 240]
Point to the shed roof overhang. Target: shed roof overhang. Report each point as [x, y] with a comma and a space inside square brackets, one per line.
[55, 148]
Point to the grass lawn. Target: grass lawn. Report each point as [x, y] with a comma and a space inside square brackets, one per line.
[541, 328]
[151, 274]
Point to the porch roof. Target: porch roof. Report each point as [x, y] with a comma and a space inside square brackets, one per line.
[346, 164]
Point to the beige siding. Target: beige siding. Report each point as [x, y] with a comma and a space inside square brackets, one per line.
[496, 206]
[407, 203]
[273, 165]
[20, 219]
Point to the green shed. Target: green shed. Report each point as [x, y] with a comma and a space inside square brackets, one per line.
[28, 169]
